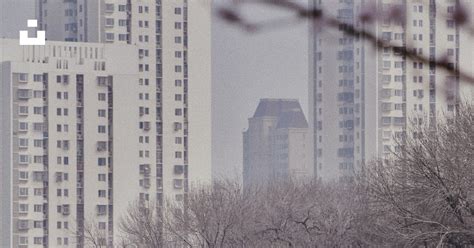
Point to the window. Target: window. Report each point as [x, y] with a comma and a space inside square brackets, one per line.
[38, 224]
[102, 225]
[178, 169]
[101, 177]
[178, 83]
[122, 8]
[25, 94]
[177, 25]
[178, 112]
[109, 7]
[22, 77]
[23, 240]
[177, 39]
[178, 154]
[23, 126]
[101, 161]
[23, 191]
[450, 23]
[101, 129]
[102, 193]
[37, 110]
[38, 208]
[23, 110]
[109, 22]
[23, 159]
[23, 175]
[178, 183]
[109, 36]
[23, 208]
[23, 143]
[101, 113]
[123, 22]
[101, 209]
[177, 11]
[37, 78]
[38, 191]
[101, 96]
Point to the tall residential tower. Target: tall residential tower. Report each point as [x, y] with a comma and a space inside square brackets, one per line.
[361, 97]
[151, 143]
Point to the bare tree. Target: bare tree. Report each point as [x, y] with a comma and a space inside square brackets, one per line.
[426, 192]
[283, 214]
[217, 216]
[142, 225]
[311, 214]
[91, 234]
[422, 197]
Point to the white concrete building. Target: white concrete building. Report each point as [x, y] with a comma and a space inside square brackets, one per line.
[276, 145]
[174, 41]
[361, 97]
[66, 122]
[140, 129]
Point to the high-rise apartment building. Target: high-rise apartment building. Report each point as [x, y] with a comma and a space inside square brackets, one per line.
[361, 97]
[140, 132]
[67, 115]
[173, 38]
[276, 145]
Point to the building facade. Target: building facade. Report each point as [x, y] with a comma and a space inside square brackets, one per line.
[65, 126]
[174, 66]
[174, 42]
[147, 138]
[276, 145]
[361, 97]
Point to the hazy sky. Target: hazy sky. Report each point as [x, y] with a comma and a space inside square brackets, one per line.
[246, 67]
[13, 16]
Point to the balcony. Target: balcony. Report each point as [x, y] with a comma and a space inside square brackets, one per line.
[22, 78]
[39, 176]
[24, 94]
[23, 225]
[387, 107]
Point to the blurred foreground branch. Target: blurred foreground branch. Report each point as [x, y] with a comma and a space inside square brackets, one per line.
[231, 13]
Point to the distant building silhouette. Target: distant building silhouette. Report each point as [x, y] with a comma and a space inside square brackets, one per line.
[276, 144]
